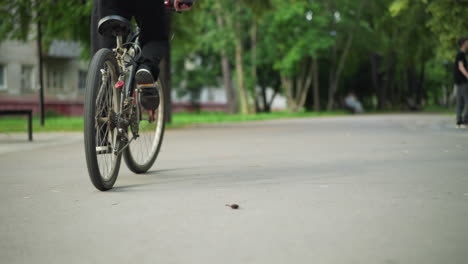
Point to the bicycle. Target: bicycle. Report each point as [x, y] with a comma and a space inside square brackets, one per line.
[115, 123]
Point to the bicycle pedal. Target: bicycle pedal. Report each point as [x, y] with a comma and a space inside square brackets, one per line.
[147, 85]
[150, 102]
[103, 150]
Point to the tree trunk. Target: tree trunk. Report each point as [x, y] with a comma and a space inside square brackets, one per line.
[337, 75]
[331, 76]
[315, 71]
[231, 96]
[296, 97]
[412, 87]
[420, 89]
[376, 84]
[331, 94]
[270, 103]
[388, 91]
[41, 73]
[240, 78]
[240, 70]
[288, 87]
[304, 90]
[254, 59]
[339, 71]
[265, 100]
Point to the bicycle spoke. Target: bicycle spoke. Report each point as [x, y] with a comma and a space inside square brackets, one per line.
[150, 130]
[105, 138]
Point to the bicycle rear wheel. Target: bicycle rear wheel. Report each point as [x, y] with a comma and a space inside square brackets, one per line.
[142, 152]
[100, 109]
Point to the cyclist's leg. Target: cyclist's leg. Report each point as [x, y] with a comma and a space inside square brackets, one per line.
[152, 21]
[150, 16]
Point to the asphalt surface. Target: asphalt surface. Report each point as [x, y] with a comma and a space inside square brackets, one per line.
[364, 189]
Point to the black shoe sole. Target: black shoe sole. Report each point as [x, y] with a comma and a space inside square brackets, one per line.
[149, 93]
[144, 77]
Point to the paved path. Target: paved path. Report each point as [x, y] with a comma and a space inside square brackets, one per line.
[372, 189]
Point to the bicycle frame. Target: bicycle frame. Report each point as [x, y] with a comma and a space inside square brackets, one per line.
[116, 125]
[126, 93]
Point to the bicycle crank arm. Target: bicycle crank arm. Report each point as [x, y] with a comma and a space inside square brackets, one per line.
[117, 152]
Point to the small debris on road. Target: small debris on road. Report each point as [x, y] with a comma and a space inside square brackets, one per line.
[233, 206]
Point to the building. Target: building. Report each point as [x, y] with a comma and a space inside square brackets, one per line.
[63, 71]
[64, 81]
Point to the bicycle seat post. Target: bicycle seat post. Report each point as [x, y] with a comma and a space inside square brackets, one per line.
[119, 41]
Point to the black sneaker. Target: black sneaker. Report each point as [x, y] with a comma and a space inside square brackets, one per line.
[147, 87]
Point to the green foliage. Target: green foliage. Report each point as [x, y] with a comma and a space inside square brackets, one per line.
[66, 20]
[410, 40]
[15, 19]
[198, 71]
[447, 21]
[291, 32]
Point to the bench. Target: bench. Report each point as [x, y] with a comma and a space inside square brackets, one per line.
[21, 112]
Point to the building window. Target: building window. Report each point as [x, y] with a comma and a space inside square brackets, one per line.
[54, 80]
[82, 80]
[27, 78]
[3, 83]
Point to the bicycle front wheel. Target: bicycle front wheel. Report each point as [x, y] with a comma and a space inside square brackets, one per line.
[142, 152]
[101, 105]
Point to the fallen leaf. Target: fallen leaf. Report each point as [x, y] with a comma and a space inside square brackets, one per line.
[233, 206]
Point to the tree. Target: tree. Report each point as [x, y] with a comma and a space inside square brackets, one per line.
[69, 20]
[347, 20]
[210, 32]
[446, 21]
[416, 48]
[294, 35]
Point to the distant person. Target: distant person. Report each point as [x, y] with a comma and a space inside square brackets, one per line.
[353, 104]
[461, 82]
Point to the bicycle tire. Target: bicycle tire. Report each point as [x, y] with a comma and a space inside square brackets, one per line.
[94, 93]
[131, 156]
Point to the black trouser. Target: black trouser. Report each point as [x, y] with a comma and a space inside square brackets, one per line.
[462, 103]
[150, 17]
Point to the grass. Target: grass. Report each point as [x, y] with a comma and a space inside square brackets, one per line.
[439, 109]
[184, 119]
[430, 109]
[69, 124]
[52, 124]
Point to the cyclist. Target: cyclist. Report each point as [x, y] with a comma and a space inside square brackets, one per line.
[150, 17]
